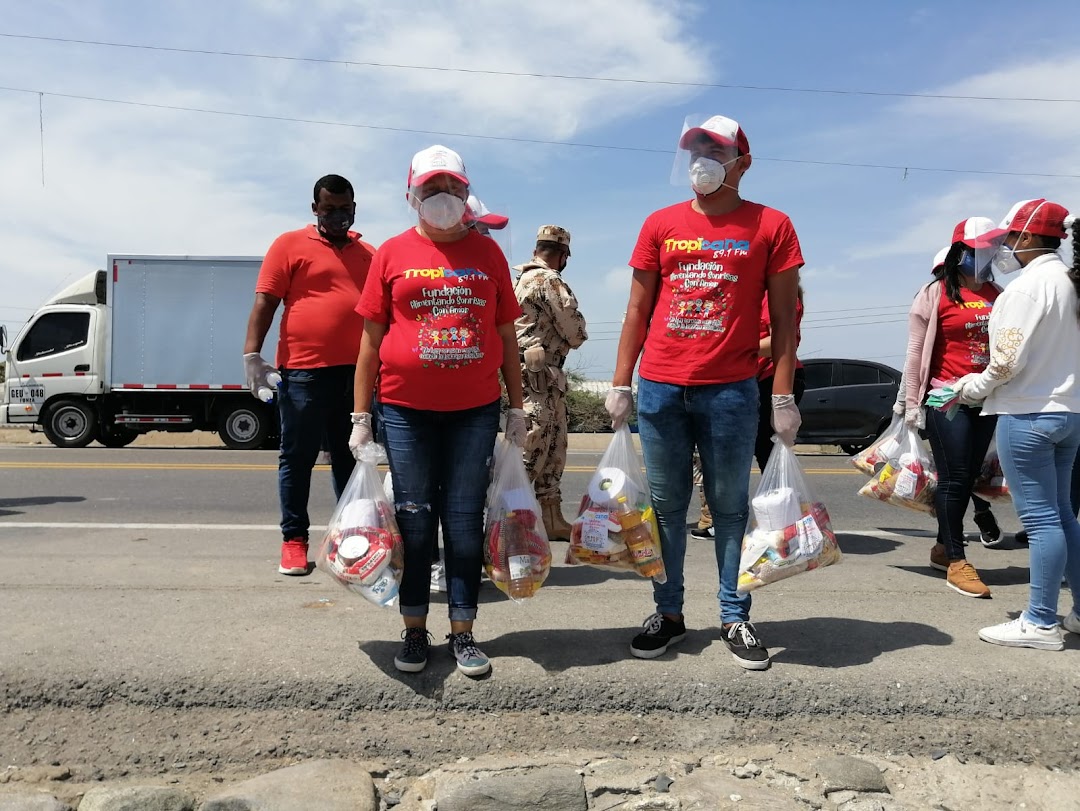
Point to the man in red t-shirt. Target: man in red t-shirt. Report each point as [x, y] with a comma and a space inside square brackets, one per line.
[701, 270]
[318, 272]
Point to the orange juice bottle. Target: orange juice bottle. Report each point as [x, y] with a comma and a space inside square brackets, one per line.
[638, 537]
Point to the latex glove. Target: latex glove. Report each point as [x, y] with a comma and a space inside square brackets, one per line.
[619, 404]
[898, 408]
[262, 379]
[534, 358]
[517, 427]
[915, 418]
[361, 435]
[967, 388]
[786, 418]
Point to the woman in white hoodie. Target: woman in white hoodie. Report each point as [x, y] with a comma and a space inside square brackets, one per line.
[1033, 384]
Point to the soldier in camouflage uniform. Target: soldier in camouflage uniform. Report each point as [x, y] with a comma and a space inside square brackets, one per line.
[550, 326]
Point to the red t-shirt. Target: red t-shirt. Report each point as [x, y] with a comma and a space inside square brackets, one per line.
[962, 345]
[319, 284]
[443, 302]
[766, 367]
[706, 321]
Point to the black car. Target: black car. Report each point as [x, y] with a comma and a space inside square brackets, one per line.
[847, 402]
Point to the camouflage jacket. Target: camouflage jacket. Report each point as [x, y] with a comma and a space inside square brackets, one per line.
[550, 316]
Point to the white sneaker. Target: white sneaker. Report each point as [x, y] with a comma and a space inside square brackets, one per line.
[1071, 623]
[1022, 634]
[438, 578]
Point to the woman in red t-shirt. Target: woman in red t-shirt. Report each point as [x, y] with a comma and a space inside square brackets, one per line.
[439, 310]
[947, 339]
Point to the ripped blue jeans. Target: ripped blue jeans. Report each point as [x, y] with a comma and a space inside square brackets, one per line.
[441, 461]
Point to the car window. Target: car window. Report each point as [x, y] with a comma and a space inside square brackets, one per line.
[856, 374]
[818, 375]
[53, 333]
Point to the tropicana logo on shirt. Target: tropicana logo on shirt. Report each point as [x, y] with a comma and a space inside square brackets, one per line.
[460, 274]
[725, 247]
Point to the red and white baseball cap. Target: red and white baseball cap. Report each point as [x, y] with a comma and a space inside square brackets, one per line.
[973, 232]
[1034, 216]
[476, 211]
[721, 129]
[939, 258]
[436, 160]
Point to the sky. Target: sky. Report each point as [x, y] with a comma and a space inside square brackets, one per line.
[80, 179]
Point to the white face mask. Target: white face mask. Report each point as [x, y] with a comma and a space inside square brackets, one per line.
[442, 211]
[707, 175]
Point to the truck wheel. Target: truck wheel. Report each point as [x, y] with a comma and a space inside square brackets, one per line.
[117, 436]
[243, 427]
[70, 424]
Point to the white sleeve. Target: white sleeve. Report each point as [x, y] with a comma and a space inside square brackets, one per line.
[1015, 316]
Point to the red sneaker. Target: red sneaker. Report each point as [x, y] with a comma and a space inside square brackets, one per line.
[294, 557]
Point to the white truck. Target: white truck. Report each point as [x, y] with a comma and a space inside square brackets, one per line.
[152, 343]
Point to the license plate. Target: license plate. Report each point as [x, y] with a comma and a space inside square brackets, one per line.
[27, 394]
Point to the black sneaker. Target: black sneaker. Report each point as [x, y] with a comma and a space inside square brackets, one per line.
[988, 529]
[659, 633]
[707, 534]
[412, 658]
[470, 659]
[1021, 538]
[742, 640]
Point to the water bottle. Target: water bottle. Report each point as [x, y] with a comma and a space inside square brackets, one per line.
[266, 393]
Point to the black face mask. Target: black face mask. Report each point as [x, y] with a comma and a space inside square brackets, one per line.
[336, 223]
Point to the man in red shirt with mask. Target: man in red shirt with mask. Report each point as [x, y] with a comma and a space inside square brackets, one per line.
[318, 272]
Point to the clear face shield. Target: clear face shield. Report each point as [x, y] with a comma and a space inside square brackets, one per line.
[705, 155]
[1005, 260]
[493, 222]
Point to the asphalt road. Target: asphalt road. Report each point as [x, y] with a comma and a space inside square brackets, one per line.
[149, 576]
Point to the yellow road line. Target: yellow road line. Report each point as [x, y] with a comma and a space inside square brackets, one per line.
[183, 466]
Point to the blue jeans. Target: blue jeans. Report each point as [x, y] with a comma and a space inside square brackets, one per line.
[959, 446]
[441, 462]
[721, 421]
[1037, 455]
[314, 406]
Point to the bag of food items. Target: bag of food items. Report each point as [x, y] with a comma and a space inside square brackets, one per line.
[362, 549]
[990, 483]
[517, 556]
[908, 478]
[873, 458]
[616, 526]
[790, 530]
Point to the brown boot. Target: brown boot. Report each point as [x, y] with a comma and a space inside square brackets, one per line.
[554, 524]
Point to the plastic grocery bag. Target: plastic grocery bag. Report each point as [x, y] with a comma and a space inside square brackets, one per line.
[990, 483]
[790, 530]
[517, 556]
[873, 458]
[616, 526]
[362, 549]
[908, 478]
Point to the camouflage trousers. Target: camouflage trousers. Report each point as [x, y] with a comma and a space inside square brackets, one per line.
[545, 447]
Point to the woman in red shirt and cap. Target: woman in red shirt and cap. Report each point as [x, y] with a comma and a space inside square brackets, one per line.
[439, 310]
[947, 339]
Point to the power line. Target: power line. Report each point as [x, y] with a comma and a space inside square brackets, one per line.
[531, 75]
[512, 139]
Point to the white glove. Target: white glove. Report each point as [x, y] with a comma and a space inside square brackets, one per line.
[966, 388]
[915, 418]
[786, 418]
[262, 379]
[619, 404]
[898, 408]
[361, 436]
[517, 427]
